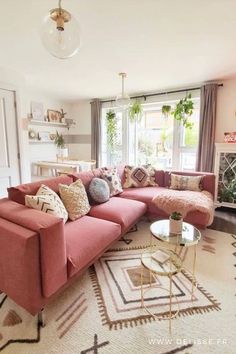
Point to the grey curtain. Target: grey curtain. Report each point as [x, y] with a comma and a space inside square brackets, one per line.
[205, 157]
[96, 130]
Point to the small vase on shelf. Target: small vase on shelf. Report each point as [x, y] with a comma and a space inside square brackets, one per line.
[176, 223]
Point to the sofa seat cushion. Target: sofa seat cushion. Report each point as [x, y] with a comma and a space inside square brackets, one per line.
[124, 212]
[86, 239]
[144, 195]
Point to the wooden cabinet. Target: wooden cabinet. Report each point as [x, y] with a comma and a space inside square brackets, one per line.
[225, 171]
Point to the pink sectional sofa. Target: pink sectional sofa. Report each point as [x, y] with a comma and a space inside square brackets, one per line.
[40, 256]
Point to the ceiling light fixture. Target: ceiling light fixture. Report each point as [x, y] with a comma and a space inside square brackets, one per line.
[123, 100]
[60, 33]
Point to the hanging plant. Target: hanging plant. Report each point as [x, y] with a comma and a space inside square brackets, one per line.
[166, 109]
[183, 111]
[111, 129]
[135, 111]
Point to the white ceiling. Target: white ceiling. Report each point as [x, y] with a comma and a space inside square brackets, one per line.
[159, 43]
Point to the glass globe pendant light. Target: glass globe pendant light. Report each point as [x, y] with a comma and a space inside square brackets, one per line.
[122, 100]
[60, 33]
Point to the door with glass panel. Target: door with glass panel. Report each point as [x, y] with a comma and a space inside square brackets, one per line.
[9, 153]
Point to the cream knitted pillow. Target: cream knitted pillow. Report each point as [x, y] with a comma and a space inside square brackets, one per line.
[75, 199]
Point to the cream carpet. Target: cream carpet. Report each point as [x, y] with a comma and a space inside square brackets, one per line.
[101, 312]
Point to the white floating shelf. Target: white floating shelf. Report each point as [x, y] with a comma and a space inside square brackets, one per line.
[46, 123]
[40, 142]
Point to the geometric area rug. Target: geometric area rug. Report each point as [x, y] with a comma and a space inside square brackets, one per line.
[101, 311]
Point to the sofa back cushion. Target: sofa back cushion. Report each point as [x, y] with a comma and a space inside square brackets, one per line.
[86, 177]
[18, 193]
[208, 180]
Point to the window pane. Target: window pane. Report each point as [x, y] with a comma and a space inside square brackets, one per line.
[155, 139]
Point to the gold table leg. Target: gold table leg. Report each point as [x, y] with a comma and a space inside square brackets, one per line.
[193, 273]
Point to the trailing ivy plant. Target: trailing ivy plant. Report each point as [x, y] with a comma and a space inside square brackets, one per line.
[135, 111]
[111, 129]
[183, 111]
[166, 110]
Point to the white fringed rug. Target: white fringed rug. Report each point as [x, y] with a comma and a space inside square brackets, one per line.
[101, 312]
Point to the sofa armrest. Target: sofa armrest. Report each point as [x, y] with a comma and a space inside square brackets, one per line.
[51, 240]
[20, 276]
[208, 181]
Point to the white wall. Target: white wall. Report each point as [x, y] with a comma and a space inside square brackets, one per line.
[80, 111]
[226, 109]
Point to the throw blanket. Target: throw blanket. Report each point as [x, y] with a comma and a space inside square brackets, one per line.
[185, 201]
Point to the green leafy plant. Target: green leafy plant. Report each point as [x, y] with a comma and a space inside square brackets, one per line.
[183, 111]
[135, 111]
[59, 141]
[111, 129]
[228, 194]
[176, 215]
[166, 110]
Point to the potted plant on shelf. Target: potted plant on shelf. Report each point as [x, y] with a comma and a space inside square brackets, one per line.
[176, 222]
[62, 151]
[183, 111]
[135, 111]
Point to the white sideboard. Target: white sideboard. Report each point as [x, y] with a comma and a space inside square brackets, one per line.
[225, 171]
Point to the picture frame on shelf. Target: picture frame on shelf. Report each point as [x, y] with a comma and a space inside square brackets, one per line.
[37, 111]
[54, 116]
[44, 136]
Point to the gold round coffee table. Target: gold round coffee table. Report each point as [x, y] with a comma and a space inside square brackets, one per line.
[189, 237]
[163, 262]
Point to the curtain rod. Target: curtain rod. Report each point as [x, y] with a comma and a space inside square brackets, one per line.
[160, 93]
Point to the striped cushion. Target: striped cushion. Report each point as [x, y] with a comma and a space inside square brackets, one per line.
[47, 201]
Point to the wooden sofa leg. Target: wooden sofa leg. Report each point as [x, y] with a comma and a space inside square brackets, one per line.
[41, 318]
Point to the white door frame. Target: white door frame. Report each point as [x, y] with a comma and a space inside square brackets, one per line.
[14, 89]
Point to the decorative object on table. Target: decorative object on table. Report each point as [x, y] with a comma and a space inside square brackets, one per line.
[183, 111]
[123, 99]
[99, 190]
[62, 151]
[111, 130]
[230, 137]
[54, 116]
[166, 110]
[44, 136]
[37, 111]
[32, 134]
[135, 111]
[176, 223]
[60, 33]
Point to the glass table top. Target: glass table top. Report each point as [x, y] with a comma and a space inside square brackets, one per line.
[161, 261]
[189, 237]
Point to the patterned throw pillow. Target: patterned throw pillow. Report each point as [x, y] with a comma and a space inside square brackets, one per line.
[139, 176]
[47, 201]
[99, 190]
[113, 180]
[75, 199]
[191, 183]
